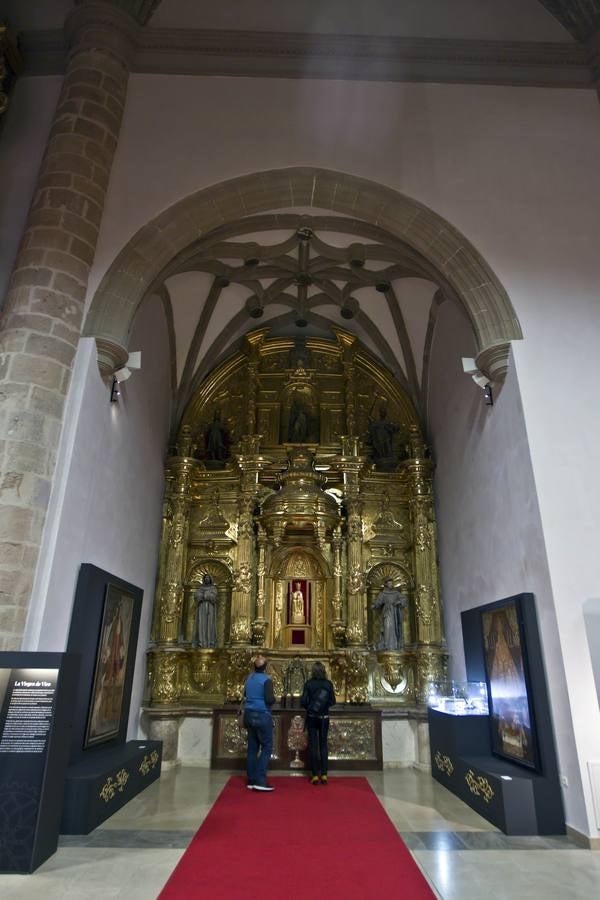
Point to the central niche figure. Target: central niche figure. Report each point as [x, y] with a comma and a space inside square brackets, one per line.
[298, 429]
[297, 599]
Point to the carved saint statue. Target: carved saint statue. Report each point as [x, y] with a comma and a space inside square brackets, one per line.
[216, 439]
[391, 603]
[298, 429]
[381, 434]
[297, 599]
[205, 599]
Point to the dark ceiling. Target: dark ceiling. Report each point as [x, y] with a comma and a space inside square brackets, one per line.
[580, 17]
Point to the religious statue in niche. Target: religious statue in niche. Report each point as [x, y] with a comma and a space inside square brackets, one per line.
[391, 603]
[298, 603]
[299, 421]
[216, 442]
[382, 433]
[205, 599]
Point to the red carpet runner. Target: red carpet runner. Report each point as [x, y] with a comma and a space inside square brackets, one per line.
[316, 842]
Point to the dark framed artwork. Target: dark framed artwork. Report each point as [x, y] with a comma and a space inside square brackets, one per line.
[513, 733]
[110, 670]
[104, 632]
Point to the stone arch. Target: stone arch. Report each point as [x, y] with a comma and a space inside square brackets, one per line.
[463, 269]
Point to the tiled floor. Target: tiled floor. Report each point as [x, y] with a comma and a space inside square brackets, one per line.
[132, 854]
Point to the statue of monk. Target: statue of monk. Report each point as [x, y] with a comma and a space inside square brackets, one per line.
[205, 599]
[391, 603]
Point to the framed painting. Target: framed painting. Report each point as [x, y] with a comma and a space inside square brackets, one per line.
[513, 732]
[111, 666]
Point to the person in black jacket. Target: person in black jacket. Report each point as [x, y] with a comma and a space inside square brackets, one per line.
[318, 696]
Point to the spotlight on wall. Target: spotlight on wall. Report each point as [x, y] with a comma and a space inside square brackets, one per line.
[470, 368]
[134, 361]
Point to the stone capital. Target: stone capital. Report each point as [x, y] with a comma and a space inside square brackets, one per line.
[100, 25]
[111, 356]
[493, 361]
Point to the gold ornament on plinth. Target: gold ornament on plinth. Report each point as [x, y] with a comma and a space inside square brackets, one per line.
[297, 741]
[259, 630]
[391, 667]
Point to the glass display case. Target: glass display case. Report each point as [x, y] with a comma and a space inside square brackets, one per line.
[459, 698]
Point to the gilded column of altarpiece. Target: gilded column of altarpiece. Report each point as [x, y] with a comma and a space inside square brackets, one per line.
[300, 483]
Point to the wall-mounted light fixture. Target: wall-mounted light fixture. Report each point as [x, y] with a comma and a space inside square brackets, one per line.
[470, 368]
[134, 361]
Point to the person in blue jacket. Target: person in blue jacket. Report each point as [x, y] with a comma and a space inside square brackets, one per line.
[259, 698]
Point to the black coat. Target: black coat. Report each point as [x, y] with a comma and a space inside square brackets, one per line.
[318, 696]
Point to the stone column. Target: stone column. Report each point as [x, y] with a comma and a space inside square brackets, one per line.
[43, 312]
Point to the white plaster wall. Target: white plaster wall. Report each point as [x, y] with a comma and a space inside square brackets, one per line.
[491, 543]
[106, 499]
[22, 143]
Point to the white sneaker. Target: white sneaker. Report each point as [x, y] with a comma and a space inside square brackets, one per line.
[263, 787]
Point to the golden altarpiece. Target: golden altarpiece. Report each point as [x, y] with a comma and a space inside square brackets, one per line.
[300, 482]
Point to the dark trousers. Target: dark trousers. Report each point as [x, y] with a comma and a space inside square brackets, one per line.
[317, 744]
[260, 744]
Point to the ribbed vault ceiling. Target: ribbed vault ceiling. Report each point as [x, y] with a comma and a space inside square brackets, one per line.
[301, 276]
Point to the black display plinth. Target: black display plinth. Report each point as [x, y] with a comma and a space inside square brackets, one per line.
[37, 696]
[105, 781]
[515, 799]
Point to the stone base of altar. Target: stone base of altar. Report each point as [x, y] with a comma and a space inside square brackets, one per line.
[204, 736]
[354, 739]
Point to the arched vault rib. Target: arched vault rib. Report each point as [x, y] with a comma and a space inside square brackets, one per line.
[454, 258]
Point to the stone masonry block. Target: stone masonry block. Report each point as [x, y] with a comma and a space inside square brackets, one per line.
[48, 238]
[48, 402]
[82, 251]
[36, 370]
[62, 331]
[89, 189]
[31, 277]
[10, 555]
[25, 456]
[57, 305]
[68, 162]
[102, 116]
[66, 284]
[28, 322]
[68, 264]
[24, 425]
[15, 523]
[90, 130]
[50, 347]
[80, 227]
